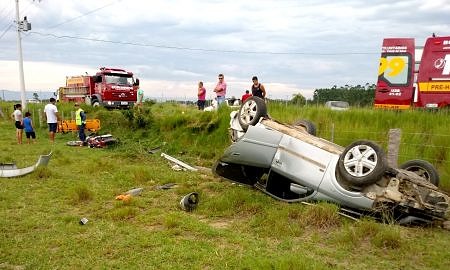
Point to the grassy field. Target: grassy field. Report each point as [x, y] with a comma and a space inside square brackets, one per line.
[234, 227]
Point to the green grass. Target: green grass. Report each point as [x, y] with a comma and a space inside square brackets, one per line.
[234, 227]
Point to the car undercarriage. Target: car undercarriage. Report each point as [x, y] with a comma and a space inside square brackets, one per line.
[289, 163]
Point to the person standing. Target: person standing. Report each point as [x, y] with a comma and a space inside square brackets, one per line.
[220, 90]
[29, 129]
[52, 117]
[245, 96]
[140, 96]
[80, 121]
[18, 122]
[201, 94]
[258, 89]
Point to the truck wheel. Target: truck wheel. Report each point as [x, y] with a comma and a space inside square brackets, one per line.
[423, 169]
[251, 111]
[362, 163]
[307, 125]
[95, 103]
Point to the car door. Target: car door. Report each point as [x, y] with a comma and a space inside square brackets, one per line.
[256, 148]
[300, 161]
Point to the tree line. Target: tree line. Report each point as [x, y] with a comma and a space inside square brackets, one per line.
[358, 95]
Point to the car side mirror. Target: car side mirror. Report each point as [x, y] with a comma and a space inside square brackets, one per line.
[136, 82]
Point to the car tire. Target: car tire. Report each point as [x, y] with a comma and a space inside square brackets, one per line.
[423, 169]
[251, 111]
[362, 163]
[307, 125]
[95, 103]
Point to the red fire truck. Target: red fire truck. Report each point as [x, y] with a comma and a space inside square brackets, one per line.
[404, 83]
[110, 87]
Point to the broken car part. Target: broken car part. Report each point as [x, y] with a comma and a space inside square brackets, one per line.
[11, 170]
[189, 202]
[182, 164]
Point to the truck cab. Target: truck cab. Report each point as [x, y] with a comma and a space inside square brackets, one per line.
[404, 82]
[113, 88]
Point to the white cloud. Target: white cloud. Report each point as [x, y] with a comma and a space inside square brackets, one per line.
[317, 33]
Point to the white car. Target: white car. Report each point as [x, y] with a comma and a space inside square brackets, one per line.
[337, 105]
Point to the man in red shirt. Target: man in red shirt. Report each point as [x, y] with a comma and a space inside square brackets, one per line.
[201, 96]
[245, 96]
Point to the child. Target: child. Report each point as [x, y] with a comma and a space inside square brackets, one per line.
[18, 122]
[28, 126]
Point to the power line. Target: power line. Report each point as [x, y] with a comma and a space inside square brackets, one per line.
[198, 49]
[6, 30]
[11, 9]
[7, 14]
[7, 27]
[84, 14]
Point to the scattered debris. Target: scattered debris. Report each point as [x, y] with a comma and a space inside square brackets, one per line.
[180, 163]
[130, 193]
[189, 202]
[177, 167]
[166, 186]
[100, 141]
[134, 191]
[75, 143]
[123, 197]
[95, 141]
[83, 221]
[154, 150]
[11, 170]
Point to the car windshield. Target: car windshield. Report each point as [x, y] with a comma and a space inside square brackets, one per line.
[119, 79]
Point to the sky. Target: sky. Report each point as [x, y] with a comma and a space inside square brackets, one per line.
[293, 46]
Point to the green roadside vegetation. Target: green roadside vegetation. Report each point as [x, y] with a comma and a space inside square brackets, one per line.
[233, 227]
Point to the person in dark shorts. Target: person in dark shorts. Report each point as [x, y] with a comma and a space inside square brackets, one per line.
[18, 122]
[29, 129]
[52, 116]
[201, 94]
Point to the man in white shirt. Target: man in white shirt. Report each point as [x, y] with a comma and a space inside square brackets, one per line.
[52, 116]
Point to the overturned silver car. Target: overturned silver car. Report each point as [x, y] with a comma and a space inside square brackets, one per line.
[289, 163]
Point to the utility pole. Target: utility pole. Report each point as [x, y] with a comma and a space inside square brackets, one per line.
[21, 26]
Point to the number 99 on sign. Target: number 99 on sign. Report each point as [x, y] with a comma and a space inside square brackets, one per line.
[392, 66]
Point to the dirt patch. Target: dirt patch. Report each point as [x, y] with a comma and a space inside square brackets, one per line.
[217, 223]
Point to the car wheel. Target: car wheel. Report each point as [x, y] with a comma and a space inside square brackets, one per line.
[362, 163]
[307, 125]
[95, 103]
[251, 111]
[423, 169]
